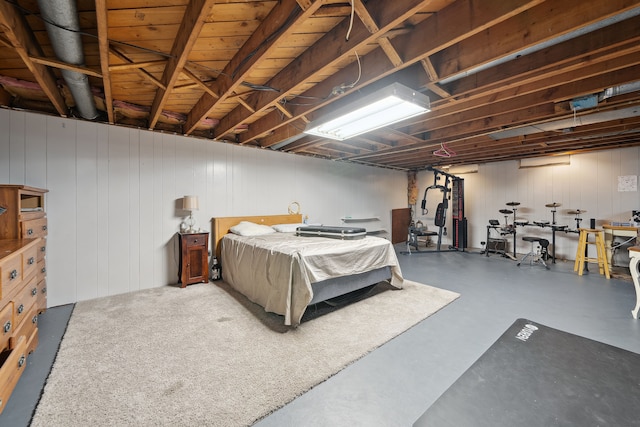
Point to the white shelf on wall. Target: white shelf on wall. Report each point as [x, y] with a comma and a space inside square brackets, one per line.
[366, 221]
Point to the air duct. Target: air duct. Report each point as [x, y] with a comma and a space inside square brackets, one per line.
[61, 19]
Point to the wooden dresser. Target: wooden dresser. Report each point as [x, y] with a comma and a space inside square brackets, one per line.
[18, 309]
[23, 231]
[26, 218]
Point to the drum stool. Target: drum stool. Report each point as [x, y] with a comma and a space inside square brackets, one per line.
[535, 256]
[581, 253]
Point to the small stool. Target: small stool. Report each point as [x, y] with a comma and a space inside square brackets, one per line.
[536, 257]
[634, 263]
[581, 253]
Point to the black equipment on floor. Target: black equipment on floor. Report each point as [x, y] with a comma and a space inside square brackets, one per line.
[459, 236]
[534, 255]
[539, 376]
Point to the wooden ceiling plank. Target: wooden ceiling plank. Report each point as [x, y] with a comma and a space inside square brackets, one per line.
[587, 80]
[555, 58]
[65, 66]
[255, 50]
[529, 29]
[197, 82]
[143, 73]
[192, 22]
[23, 41]
[133, 65]
[426, 40]
[329, 50]
[102, 22]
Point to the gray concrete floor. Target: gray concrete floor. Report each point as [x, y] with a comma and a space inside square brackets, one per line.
[395, 384]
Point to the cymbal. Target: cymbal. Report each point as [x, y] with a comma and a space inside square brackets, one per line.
[513, 203]
[553, 205]
[505, 211]
[577, 212]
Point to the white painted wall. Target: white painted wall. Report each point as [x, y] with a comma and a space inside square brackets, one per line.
[113, 201]
[589, 183]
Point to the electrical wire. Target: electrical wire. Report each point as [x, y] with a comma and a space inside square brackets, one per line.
[353, 10]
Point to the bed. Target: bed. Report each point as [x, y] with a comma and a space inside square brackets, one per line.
[285, 273]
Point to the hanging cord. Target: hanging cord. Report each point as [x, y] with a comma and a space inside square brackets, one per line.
[353, 10]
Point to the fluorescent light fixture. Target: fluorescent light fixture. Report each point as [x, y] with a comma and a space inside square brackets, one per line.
[545, 161]
[384, 107]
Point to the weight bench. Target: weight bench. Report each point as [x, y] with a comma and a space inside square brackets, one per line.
[414, 233]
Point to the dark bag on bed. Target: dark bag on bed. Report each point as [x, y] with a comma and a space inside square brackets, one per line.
[344, 233]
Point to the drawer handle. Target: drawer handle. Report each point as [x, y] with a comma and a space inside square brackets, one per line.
[20, 308]
[30, 231]
[31, 260]
[34, 292]
[44, 227]
[21, 361]
[44, 270]
[13, 274]
[7, 326]
[43, 249]
[44, 290]
[34, 319]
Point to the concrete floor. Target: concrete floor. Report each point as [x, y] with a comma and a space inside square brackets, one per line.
[395, 384]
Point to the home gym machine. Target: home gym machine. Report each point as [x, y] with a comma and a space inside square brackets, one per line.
[455, 186]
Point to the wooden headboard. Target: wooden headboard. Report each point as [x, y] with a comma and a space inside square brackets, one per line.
[221, 225]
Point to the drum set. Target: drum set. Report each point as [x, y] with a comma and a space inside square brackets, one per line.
[510, 228]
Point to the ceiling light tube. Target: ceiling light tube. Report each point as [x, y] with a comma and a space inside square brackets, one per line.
[384, 107]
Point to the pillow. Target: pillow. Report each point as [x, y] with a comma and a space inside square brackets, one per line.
[246, 228]
[287, 228]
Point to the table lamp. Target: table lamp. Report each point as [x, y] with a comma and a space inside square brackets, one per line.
[190, 203]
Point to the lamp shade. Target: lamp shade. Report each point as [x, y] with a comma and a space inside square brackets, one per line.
[384, 107]
[190, 203]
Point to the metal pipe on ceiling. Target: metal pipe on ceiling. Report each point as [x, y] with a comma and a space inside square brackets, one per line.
[61, 19]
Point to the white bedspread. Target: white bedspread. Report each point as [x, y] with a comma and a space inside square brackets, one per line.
[277, 270]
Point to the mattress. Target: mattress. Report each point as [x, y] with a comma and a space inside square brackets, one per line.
[342, 233]
[277, 270]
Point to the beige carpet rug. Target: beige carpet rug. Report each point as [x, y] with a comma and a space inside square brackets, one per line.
[205, 356]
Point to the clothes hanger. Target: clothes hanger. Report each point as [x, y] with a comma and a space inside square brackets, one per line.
[444, 151]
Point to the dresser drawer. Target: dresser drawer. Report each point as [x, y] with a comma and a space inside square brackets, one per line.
[6, 325]
[27, 328]
[34, 228]
[42, 250]
[29, 261]
[12, 364]
[24, 300]
[10, 274]
[42, 295]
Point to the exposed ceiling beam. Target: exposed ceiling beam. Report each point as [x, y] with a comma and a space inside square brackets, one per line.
[281, 22]
[22, 40]
[192, 22]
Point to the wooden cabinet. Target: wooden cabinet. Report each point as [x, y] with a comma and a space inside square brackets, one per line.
[25, 218]
[194, 258]
[18, 309]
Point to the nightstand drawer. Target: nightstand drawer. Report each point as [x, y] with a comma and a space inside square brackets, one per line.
[12, 364]
[198, 239]
[34, 228]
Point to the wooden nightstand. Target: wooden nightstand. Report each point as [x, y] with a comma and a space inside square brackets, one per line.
[194, 258]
